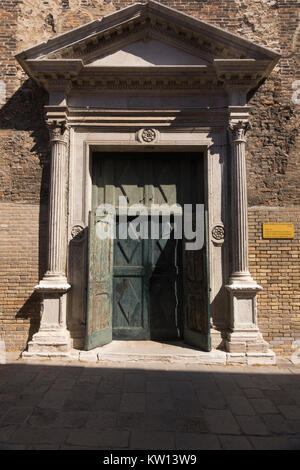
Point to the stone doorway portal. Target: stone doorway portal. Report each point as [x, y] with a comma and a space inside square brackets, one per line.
[154, 288]
[149, 79]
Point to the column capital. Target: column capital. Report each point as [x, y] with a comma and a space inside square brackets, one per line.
[238, 130]
[59, 131]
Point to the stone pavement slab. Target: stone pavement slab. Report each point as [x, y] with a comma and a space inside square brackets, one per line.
[62, 405]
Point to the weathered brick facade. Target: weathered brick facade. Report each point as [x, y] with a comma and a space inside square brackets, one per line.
[273, 155]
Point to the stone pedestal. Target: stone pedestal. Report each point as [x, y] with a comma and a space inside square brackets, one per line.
[243, 338]
[53, 338]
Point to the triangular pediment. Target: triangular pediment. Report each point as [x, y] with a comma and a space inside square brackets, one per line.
[148, 35]
[147, 53]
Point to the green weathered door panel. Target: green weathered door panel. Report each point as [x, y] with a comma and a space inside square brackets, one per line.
[197, 298]
[130, 306]
[99, 290]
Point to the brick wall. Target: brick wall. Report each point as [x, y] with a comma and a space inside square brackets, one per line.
[272, 153]
[274, 264]
[23, 255]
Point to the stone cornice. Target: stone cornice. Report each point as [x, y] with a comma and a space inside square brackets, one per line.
[136, 118]
[62, 75]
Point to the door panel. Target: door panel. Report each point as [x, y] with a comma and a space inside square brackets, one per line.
[197, 302]
[130, 309]
[99, 298]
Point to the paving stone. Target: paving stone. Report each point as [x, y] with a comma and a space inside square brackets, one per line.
[6, 431]
[54, 399]
[192, 424]
[131, 420]
[276, 424]
[228, 386]
[43, 447]
[263, 383]
[252, 425]
[263, 406]
[157, 386]
[26, 400]
[83, 405]
[181, 389]
[185, 407]
[294, 425]
[235, 443]
[86, 392]
[101, 418]
[211, 399]
[240, 405]
[9, 398]
[191, 441]
[44, 417]
[37, 435]
[148, 440]
[294, 395]
[275, 443]
[73, 419]
[279, 397]
[63, 384]
[244, 381]
[36, 389]
[109, 438]
[135, 383]
[161, 421]
[106, 402]
[133, 402]
[290, 411]
[221, 422]
[283, 379]
[7, 446]
[159, 402]
[255, 393]
[16, 416]
[110, 386]
[205, 382]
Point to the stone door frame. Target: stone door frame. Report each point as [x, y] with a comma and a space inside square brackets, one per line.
[82, 146]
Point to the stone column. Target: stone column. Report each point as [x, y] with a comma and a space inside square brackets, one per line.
[244, 341]
[53, 338]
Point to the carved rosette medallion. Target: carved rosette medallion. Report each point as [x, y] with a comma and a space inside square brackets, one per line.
[77, 233]
[147, 136]
[218, 234]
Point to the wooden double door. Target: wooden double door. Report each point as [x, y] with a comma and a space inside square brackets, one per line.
[142, 283]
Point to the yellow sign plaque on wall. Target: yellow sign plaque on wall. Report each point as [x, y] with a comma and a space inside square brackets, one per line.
[278, 230]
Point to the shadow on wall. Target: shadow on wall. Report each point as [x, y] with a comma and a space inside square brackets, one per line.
[24, 114]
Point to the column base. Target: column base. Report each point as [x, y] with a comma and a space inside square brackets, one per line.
[243, 341]
[267, 358]
[53, 339]
[50, 343]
